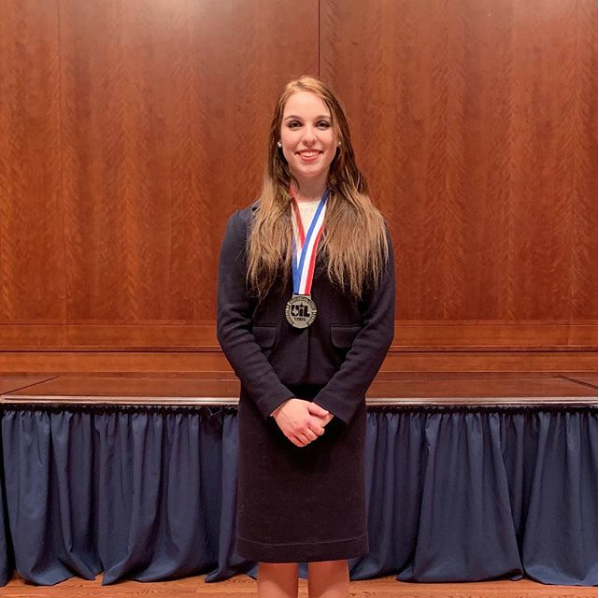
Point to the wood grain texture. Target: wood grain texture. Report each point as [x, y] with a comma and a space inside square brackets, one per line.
[14, 382]
[589, 379]
[476, 125]
[32, 270]
[130, 130]
[166, 109]
[189, 390]
[419, 335]
[214, 362]
[242, 585]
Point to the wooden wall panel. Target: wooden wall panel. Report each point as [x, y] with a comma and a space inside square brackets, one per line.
[32, 285]
[129, 130]
[165, 114]
[410, 335]
[476, 125]
[213, 361]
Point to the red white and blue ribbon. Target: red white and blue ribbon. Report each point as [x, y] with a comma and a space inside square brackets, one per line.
[305, 248]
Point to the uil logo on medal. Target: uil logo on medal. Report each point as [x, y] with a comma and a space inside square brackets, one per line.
[300, 310]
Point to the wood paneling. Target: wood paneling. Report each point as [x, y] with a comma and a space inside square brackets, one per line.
[12, 383]
[491, 361]
[130, 130]
[166, 108]
[584, 379]
[476, 125]
[189, 361]
[32, 269]
[419, 335]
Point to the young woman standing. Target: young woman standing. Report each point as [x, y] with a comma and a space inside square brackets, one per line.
[306, 298]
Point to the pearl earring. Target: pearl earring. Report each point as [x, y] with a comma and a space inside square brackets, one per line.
[279, 144]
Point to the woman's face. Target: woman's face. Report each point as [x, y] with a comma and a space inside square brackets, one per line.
[308, 139]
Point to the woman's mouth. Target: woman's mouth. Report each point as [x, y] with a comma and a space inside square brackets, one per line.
[309, 155]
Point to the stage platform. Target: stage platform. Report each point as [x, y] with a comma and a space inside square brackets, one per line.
[469, 477]
[222, 388]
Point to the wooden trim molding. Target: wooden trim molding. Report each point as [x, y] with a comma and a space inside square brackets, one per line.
[480, 335]
[214, 361]
[476, 346]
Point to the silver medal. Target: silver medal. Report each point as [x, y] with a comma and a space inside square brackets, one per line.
[300, 311]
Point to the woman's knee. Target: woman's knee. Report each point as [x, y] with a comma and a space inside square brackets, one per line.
[328, 569]
[277, 580]
[326, 566]
[279, 567]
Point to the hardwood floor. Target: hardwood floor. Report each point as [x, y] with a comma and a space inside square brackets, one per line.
[243, 586]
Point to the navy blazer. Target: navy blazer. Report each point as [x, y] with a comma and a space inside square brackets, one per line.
[339, 354]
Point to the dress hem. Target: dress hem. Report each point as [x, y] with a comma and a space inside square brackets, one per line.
[302, 553]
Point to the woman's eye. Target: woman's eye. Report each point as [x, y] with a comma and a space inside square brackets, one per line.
[295, 124]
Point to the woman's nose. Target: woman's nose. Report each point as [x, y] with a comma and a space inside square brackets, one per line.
[309, 135]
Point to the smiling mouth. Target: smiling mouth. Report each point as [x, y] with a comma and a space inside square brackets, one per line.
[309, 154]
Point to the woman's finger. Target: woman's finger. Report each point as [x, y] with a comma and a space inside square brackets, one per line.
[317, 430]
[301, 441]
[308, 436]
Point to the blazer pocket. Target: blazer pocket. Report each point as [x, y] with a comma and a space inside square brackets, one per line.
[342, 336]
[265, 336]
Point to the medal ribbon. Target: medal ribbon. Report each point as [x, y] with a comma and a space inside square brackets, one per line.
[304, 254]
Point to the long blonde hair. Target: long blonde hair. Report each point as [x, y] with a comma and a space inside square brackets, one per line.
[354, 240]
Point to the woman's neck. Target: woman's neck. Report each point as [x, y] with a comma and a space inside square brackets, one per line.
[310, 190]
[308, 194]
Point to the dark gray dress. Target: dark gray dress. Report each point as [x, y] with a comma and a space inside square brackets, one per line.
[301, 504]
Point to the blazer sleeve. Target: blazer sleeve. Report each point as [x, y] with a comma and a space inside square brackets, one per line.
[347, 388]
[234, 323]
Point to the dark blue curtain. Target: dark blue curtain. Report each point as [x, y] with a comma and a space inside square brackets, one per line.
[149, 494]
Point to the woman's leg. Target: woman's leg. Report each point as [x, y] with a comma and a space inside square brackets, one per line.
[328, 579]
[278, 580]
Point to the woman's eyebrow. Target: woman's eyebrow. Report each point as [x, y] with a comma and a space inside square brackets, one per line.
[321, 116]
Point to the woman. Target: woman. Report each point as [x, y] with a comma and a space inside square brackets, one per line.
[306, 299]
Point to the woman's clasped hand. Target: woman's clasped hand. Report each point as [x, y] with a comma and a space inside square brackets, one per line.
[302, 422]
